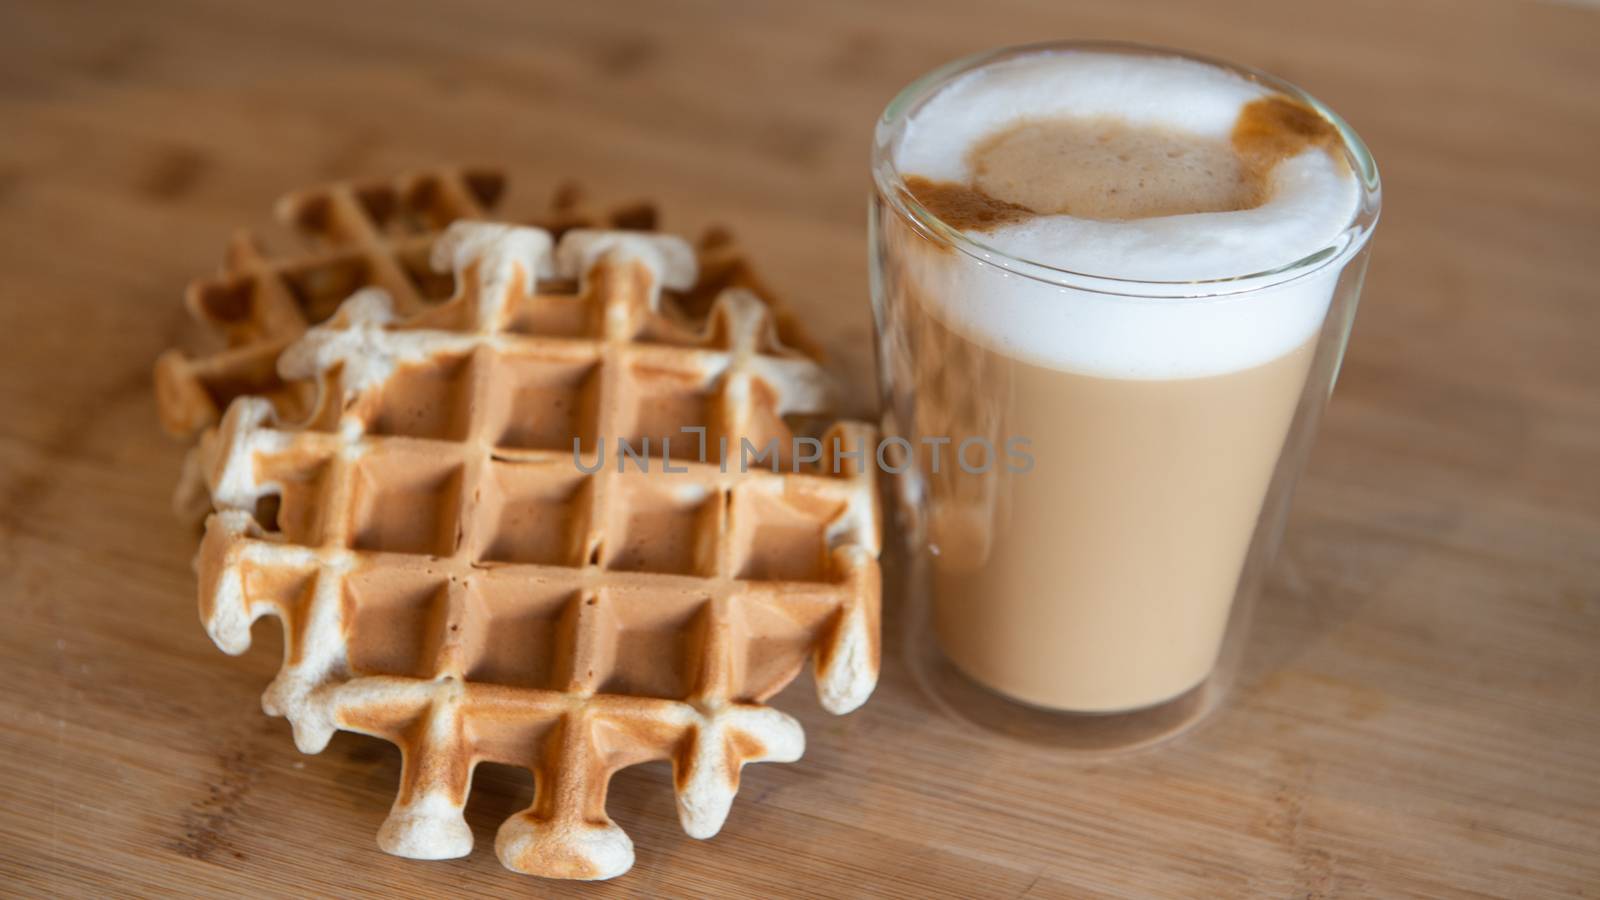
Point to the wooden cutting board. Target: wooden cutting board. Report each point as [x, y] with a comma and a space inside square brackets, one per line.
[1420, 710]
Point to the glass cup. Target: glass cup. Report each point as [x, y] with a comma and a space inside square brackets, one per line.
[1082, 552]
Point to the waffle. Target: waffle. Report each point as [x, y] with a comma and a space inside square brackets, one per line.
[376, 234]
[464, 568]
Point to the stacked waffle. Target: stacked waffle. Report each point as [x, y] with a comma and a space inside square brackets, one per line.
[501, 527]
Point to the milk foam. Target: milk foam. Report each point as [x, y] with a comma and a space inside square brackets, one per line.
[1312, 201]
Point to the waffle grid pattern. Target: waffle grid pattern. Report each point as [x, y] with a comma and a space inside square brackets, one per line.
[452, 580]
[372, 234]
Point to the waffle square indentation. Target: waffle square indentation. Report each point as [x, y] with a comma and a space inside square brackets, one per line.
[781, 536]
[396, 621]
[548, 402]
[406, 502]
[664, 402]
[657, 638]
[527, 633]
[534, 512]
[775, 650]
[319, 287]
[427, 400]
[667, 527]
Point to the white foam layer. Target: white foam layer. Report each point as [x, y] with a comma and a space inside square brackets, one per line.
[1313, 199]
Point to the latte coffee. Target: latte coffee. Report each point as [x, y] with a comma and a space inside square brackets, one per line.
[1108, 258]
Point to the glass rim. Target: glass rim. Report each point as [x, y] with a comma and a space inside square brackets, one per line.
[890, 184]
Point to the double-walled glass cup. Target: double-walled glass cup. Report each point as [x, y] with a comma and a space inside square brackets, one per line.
[1082, 549]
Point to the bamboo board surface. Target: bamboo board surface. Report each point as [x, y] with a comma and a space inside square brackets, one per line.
[1420, 709]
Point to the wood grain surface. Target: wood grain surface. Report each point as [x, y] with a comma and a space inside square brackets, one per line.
[1420, 713]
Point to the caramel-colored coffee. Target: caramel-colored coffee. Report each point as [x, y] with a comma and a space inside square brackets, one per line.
[1147, 488]
[1131, 272]
[1148, 492]
[1102, 579]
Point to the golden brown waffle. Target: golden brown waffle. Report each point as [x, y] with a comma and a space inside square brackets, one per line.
[452, 578]
[369, 234]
